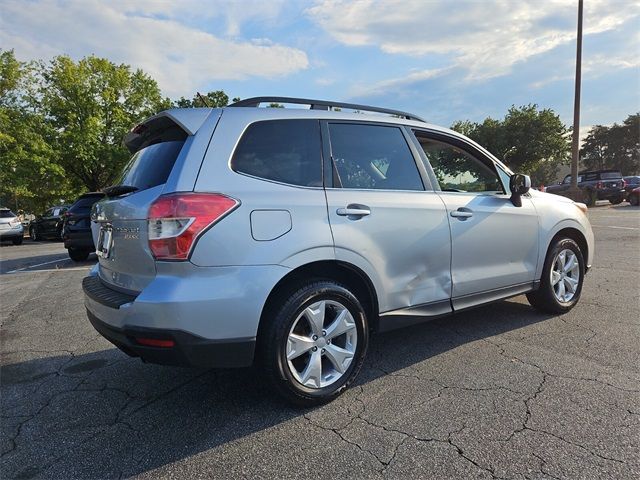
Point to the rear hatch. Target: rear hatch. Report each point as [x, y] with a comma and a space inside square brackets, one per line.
[611, 180]
[126, 262]
[7, 219]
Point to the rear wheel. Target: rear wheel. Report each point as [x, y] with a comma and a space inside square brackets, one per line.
[314, 343]
[617, 200]
[17, 241]
[562, 277]
[78, 255]
[634, 199]
[589, 198]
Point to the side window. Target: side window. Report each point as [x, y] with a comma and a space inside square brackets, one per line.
[504, 178]
[48, 213]
[589, 177]
[287, 151]
[373, 157]
[458, 171]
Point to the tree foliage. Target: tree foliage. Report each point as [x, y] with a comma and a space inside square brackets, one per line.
[528, 140]
[616, 147]
[30, 175]
[213, 99]
[92, 104]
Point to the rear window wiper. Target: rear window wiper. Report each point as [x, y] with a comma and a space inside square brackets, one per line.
[116, 190]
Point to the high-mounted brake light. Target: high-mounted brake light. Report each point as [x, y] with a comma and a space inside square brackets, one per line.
[176, 221]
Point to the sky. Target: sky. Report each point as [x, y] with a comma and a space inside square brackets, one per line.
[441, 60]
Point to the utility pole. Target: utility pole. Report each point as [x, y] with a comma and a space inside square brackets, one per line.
[575, 144]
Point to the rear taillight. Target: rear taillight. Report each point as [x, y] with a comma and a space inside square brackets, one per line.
[176, 221]
[599, 185]
[624, 183]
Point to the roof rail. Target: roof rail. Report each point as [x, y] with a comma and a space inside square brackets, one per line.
[322, 105]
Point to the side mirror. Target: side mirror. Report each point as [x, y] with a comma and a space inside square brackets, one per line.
[519, 185]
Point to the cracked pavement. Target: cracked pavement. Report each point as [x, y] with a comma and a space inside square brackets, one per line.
[497, 392]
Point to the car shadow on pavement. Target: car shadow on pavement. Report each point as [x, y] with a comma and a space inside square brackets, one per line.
[105, 415]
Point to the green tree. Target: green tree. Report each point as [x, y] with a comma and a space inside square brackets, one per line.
[30, 177]
[213, 99]
[528, 140]
[92, 104]
[616, 147]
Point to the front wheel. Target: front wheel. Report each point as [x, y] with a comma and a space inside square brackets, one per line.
[634, 200]
[562, 278]
[17, 241]
[314, 344]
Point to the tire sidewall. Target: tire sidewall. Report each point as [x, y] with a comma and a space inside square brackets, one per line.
[563, 244]
[285, 319]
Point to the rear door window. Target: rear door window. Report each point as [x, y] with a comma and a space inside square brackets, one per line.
[374, 157]
[286, 151]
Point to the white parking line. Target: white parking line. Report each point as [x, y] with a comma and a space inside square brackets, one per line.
[39, 265]
[613, 226]
[72, 269]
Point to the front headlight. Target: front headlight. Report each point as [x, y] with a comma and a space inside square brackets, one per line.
[15, 223]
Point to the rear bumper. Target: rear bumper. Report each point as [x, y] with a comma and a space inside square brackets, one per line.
[188, 350]
[610, 193]
[211, 313]
[81, 239]
[12, 233]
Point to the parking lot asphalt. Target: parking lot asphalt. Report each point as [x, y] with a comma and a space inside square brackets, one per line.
[497, 392]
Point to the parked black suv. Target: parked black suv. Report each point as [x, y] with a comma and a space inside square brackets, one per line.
[76, 232]
[595, 185]
[49, 224]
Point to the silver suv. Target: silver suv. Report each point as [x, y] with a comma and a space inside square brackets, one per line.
[283, 237]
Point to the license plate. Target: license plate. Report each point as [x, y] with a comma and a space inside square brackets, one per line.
[105, 241]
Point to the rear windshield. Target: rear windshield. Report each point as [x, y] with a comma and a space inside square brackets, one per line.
[7, 214]
[84, 204]
[610, 175]
[151, 165]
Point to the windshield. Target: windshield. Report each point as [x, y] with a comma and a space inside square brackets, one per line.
[151, 165]
[7, 214]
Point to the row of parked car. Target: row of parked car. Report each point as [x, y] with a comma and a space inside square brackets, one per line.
[70, 223]
[602, 185]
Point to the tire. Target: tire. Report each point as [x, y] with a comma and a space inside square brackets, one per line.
[291, 315]
[589, 198]
[78, 255]
[634, 200]
[17, 241]
[33, 233]
[617, 200]
[546, 298]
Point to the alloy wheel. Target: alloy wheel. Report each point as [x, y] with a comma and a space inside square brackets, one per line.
[321, 344]
[565, 275]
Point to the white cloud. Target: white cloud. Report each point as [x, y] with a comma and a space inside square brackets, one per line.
[147, 35]
[396, 84]
[485, 37]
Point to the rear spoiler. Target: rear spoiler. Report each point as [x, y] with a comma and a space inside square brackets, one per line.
[189, 120]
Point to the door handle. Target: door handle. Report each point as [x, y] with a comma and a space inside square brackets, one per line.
[462, 213]
[354, 211]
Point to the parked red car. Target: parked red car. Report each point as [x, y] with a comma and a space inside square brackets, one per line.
[634, 196]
